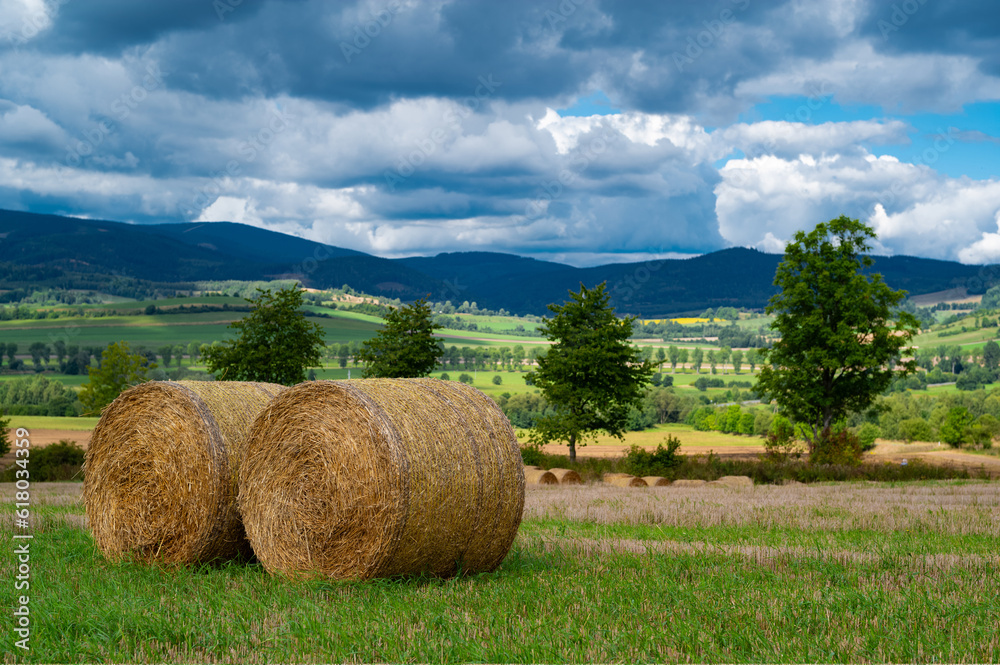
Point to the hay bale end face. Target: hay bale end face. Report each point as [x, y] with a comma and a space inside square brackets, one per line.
[540, 477]
[159, 476]
[656, 481]
[567, 476]
[381, 477]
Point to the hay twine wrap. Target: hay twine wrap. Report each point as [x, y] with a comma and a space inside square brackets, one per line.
[567, 476]
[381, 477]
[159, 474]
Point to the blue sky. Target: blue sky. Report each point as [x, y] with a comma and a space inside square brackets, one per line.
[584, 131]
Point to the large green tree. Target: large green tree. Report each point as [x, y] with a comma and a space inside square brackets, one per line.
[405, 347]
[119, 369]
[842, 331]
[591, 375]
[275, 342]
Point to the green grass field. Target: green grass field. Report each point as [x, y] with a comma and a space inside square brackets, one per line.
[826, 573]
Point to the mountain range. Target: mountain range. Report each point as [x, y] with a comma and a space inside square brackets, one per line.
[56, 249]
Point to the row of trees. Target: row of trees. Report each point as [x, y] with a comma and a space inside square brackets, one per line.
[842, 335]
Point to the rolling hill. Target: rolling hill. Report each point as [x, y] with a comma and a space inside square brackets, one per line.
[52, 250]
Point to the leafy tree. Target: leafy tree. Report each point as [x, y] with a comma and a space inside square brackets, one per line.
[737, 360]
[713, 359]
[179, 350]
[120, 369]
[753, 357]
[682, 356]
[674, 354]
[275, 342]
[167, 353]
[697, 357]
[841, 330]
[497, 380]
[39, 351]
[955, 428]
[405, 347]
[194, 350]
[59, 347]
[11, 353]
[590, 375]
[991, 355]
[724, 354]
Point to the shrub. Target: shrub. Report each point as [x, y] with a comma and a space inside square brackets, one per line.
[747, 421]
[497, 380]
[839, 448]
[867, 434]
[955, 428]
[445, 377]
[465, 378]
[531, 454]
[640, 462]
[780, 443]
[57, 461]
[915, 429]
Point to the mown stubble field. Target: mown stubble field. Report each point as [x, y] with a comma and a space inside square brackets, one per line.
[832, 572]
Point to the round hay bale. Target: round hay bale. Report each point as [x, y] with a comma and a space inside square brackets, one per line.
[381, 477]
[567, 476]
[160, 470]
[733, 481]
[540, 477]
[688, 482]
[656, 481]
[624, 480]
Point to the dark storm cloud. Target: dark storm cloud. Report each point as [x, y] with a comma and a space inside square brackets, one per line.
[964, 27]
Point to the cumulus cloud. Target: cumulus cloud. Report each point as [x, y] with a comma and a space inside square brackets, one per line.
[409, 127]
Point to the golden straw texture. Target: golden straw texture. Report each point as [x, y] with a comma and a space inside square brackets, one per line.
[624, 480]
[159, 475]
[567, 476]
[540, 477]
[656, 481]
[381, 477]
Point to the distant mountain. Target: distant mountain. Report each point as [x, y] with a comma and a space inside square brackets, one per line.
[49, 245]
[191, 252]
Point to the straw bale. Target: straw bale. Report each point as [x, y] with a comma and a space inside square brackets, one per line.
[688, 482]
[540, 477]
[624, 480]
[656, 481]
[567, 476]
[733, 481]
[160, 470]
[381, 477]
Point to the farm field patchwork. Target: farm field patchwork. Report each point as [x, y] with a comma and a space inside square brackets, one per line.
[833, 572]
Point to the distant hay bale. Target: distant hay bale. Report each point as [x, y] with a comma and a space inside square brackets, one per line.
[532, 468]
[567, 476]
[688, 482]
[624, 480]
[160, 470]
[381, 477]
[733, 481]
[540, 477]
[656, 481]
